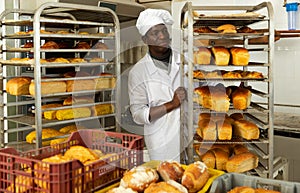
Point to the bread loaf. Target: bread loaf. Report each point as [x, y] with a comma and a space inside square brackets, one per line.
[195, 176]
[209, 159]
[169, 186]
[80, 85]
[105, 81]
[227, 28]
[239, 148]
[170, 170]
[51, 114]
[202, 56]
[240, 56]
[46, 133]
[221, 55]
[102, 109]
[237, 116]
[260, 190]
[241, 98]
[50, 45]
[207, 129]
[73, 100]
[139, 178]
[221, 158]
[242, 162]
[245, 129]
[224, 130]
[49, 87]
[18, 85]
[65, 114]
[219, 101]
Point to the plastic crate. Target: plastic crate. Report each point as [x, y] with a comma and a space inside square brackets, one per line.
[229, 181]
[25, 172]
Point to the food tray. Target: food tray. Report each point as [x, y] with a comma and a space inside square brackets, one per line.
[228, 181]
[22, 171]
[154, 163]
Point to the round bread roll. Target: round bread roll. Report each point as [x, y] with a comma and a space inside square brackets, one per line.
[166, 187]
[195, 176]
[50, 45]
[139, 178]
[170, 170]
[121, 189]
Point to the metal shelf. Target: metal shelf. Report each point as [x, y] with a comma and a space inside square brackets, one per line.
[53, 17]
[264, 43]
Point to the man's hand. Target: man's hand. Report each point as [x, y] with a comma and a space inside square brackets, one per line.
[179, 97]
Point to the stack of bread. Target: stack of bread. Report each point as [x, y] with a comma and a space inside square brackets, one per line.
[222, 56]
[228, 157]
[224, 127]
[174, 178]
[46, 133]
[218, 98]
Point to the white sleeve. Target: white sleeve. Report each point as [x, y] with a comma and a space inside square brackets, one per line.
[138, 99]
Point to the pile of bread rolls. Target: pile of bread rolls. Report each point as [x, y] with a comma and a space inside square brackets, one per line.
[235, 74]
[222, 56]
[224, 127]
[168, 177]
[227, 157]
[219, 97]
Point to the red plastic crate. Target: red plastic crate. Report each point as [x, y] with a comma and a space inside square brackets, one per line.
[25, 172]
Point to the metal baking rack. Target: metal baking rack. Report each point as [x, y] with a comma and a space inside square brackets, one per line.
[40, 25]
[261, 42]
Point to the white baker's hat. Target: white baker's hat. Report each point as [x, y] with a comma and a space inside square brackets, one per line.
[151, 17]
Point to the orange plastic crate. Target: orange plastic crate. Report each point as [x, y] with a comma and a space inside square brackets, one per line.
[25, 172]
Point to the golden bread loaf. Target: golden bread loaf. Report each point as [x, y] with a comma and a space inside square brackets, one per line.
[245, 129]
[242, 162]
[65, 114]
[202, 56]
[221, 55]
[219, 101]
[139, 178]
[239, 56]
[224, 130]
[195, 176]
[221, 158]
[227, 28]
[79, 85]
[105, 81]
[71, 128]
[239, 148]
[73, 100]
[23, 183]
[49, 87]
[51, 114]
[103, 109]
[170, 170]
[81, 153]
[46, 133]
[241, 98]
[209, 159]
[207, 129]
[166, 187]
[18, 85]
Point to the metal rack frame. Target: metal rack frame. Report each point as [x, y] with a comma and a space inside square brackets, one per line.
[37, 21]
[188, 21]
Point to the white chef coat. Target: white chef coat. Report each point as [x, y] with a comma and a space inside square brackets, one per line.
[149, 86]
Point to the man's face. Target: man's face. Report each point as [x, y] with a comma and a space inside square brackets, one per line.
[158, 37]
